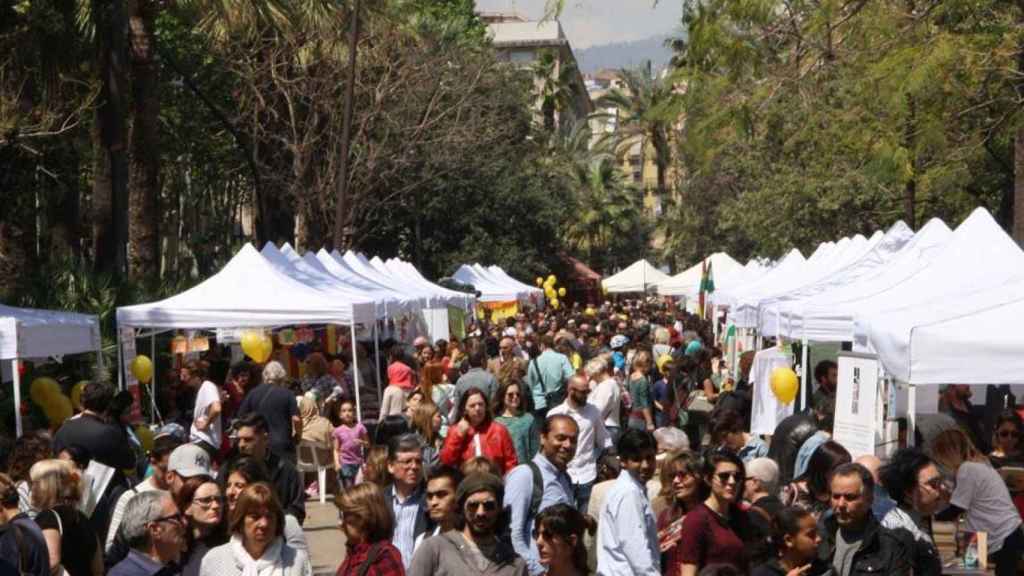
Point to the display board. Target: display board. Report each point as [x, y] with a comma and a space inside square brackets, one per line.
[858, 415]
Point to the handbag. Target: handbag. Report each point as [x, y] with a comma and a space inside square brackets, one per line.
[698, 402]
[552, 399]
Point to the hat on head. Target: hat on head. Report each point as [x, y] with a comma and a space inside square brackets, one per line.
[479, 482]
[189, 460]
[618, 341]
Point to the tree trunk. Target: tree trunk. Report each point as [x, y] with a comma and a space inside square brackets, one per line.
[144, 180]
[110, 231]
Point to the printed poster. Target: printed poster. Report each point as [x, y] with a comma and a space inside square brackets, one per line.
[857, 412]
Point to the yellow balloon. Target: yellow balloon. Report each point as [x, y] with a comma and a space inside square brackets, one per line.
[145, 437]
[590, 311]
[554, 303]
[43, 388]
[76, 394]
[57, 409]
[540, 281]
[142, 368]
[549, 292]
[257, 345]
[552, 279]
[784, 383]
[561, 292]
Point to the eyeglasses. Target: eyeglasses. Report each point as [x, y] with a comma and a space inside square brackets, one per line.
[177, 518]
[725, 477]
[1008, 434]
[512, 395]
[487, 505]
[936, 483]
[207, 501]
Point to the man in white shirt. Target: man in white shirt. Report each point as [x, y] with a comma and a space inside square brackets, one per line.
[606, 394]
[627, 533]
[592, 439]
[206, 427]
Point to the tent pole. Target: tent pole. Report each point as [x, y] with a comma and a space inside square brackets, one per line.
[120, 368]
[152, 381]
[376, 359]
[804, 384]
[911, 414]
[17, 397]
[356, 376]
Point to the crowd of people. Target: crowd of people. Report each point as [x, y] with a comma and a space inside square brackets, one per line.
[612, 440]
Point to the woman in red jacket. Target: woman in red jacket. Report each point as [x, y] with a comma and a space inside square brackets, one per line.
[477, 434]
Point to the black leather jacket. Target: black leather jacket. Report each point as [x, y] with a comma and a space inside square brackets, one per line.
[882, 551]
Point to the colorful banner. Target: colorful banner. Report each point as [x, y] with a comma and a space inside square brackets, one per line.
[457, 322]
[498, 311]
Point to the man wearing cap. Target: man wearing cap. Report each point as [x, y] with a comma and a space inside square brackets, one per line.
[472, 548]
[546, 375]
[593, 438]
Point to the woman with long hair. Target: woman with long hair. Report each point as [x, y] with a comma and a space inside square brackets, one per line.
[513, 409]
[257, 546]
[1006, 450]
[558, 531]
[717, 530]
[810, 490]
[641, 417]
[73, 543]
[682, 489]
[426, 423]
[201, 501]
[796, 539]
[369, 525]
[477, 434]
[915, 483]
[982, 497]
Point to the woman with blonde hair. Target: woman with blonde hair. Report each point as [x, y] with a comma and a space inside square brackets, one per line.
[426, 423]
[641, 416]
[982, 496]
[72, 542]
[257, 546]
[369, 525]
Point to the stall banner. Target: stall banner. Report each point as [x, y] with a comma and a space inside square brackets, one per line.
[128, 354]
[857, 425]
[457, 322]
[500, 310]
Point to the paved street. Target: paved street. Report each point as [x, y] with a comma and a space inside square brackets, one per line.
[326, 542]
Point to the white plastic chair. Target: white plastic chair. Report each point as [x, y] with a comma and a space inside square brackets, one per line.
[309, 461]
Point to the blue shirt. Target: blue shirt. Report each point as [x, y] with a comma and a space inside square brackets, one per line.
[406, 512]
[138, 564]
[519, 493]
[627, 532]
[550, 370]
[754, 448]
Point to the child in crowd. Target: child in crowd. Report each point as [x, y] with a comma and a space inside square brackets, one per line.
[350, 439]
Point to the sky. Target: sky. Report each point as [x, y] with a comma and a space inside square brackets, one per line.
[596, 22]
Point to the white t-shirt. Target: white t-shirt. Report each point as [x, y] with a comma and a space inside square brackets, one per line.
[593, 437]
[981, 491]
[207, 395]
[606, 398]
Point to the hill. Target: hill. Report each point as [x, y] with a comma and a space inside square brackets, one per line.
[624, 55]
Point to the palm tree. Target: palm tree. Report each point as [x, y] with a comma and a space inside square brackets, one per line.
[642, 103]
[554, 82]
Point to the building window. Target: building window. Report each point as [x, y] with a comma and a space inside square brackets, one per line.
[638, 177]
[521, 56]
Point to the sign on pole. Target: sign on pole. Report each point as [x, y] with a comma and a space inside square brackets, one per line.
[857, 413]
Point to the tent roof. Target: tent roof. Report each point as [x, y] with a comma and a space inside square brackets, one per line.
[411, 297]
[687, 282]
[490, 289]
[34, 333]
[498, 273]
[637, 277]
[408, 272]
[727, 296]
[581, 271]
[247, 292]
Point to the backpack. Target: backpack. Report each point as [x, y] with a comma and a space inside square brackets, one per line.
[537, 495]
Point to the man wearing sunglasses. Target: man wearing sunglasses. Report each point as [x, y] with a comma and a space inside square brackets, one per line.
[155, 529]
[473, 547]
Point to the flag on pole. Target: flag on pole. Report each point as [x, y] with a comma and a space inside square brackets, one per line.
[707, 286]
[700, 288]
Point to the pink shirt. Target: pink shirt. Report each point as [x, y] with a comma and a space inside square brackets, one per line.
[348, 443]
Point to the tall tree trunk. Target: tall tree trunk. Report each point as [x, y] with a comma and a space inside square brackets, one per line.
[1018, 146]
[144, 180]
[909, 143]
[111, 237]
[17, 225]
[104, 247]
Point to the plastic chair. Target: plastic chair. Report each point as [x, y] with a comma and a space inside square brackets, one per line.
[309, 461]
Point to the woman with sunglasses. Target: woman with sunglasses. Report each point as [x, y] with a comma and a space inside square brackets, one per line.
[683, 490]
[512, 409]
[1006, 441]
[257, 546]
[558, 531]
[914, 481]
[202, 505]
[717, 530]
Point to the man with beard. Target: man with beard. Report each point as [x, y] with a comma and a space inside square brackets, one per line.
[592, 440]
[473, 547]
[253, 437]
[956, 401]
[540, 483]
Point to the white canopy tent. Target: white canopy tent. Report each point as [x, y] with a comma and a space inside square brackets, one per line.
[526, 293]
[408, 272]
[249, 292]
[29, 333]
[335, 266]
[637, 277]
[687, 282]
[490, 290]
[498, 272]
[730, 295]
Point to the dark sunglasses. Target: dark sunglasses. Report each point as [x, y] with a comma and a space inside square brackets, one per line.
[207, 501]
[724, 477]
[487, 505]
[178, 518]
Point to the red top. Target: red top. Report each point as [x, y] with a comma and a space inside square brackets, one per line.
[495, 444]
[401, 375]
[711, 539]
[388, 562]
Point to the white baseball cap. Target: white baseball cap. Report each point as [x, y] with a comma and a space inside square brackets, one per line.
[189, 460]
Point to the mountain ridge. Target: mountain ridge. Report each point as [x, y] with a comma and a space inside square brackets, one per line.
[630, 54]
